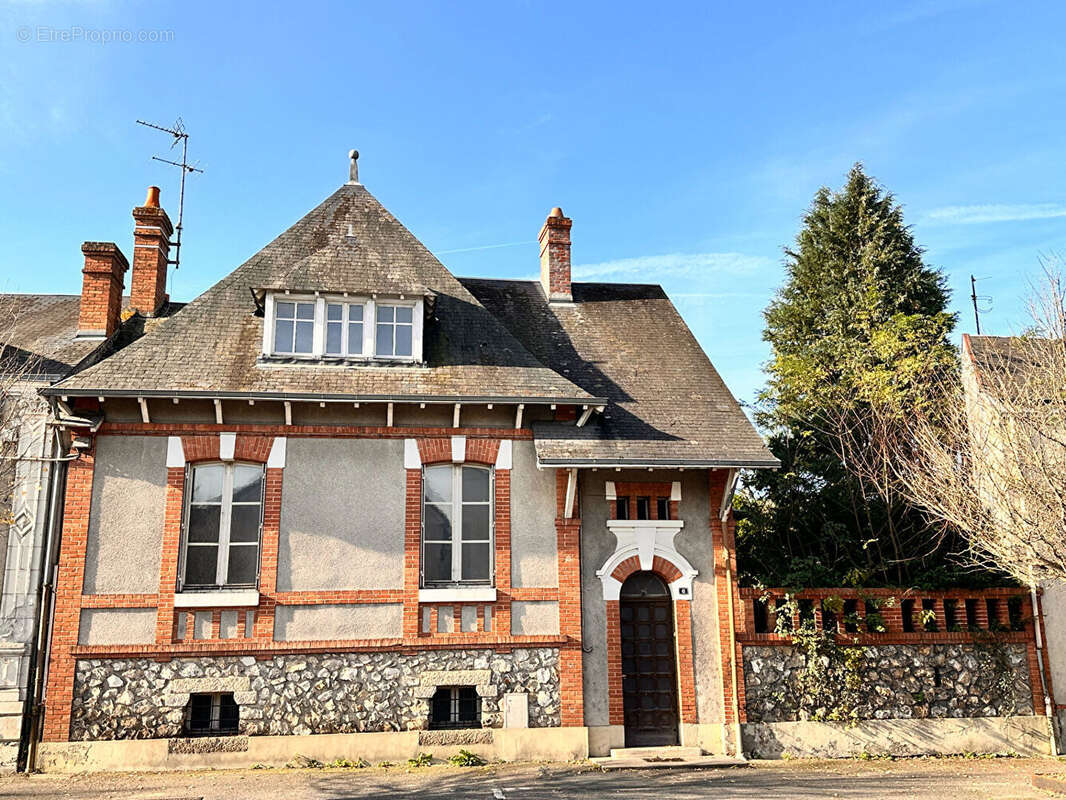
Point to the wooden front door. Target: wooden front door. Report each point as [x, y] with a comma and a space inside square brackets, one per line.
[649, 673]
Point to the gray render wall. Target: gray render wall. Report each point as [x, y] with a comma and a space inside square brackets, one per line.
[694, 543]
[125, 540]
[900, 682]
[342, 515]
[534, 560]
[303, 694]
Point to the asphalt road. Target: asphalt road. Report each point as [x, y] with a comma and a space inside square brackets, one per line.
[946, 779]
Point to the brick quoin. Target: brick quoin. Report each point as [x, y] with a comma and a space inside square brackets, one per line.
[722, 540]
[571, 667]
[69, 587]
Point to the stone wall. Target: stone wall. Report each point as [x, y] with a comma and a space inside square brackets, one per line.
[305, 694]
[902, 681]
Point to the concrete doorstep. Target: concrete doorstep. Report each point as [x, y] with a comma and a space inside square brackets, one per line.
[663, 758]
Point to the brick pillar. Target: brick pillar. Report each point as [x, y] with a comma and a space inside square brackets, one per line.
[101, 289]
[554, 241]
[725, 554]
[151, 253]
[168, 565]
[69, 587]
[571, 667]
[502, 610]
[268, 564]
[615, 705]
[686, 672]
[412, 543]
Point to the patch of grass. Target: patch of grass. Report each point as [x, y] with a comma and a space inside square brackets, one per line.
[421, 760]
[347, 763]
[464, 758]
[386, 764]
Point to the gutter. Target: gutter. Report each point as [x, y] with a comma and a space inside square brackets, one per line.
[317, 397]
[569, 463]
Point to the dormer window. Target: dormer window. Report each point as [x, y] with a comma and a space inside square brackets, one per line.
[341, 328]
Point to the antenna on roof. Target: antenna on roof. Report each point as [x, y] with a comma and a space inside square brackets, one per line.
[180, 135]
[975, 297]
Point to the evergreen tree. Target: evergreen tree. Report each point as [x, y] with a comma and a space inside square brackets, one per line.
[860, 323]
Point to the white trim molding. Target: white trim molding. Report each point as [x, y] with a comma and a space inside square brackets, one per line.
[503, 455]
[645, 539]
[458, 594]
[412, 459]
[458, 449]
[276, 459]
[223, 598]
[175, 452]
[227, 445]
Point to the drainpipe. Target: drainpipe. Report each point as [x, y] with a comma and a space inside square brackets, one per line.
[1038, 639]
[733, 655]
[42, 625]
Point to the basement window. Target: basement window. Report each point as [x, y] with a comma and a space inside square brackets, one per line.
[211, 715]
[455, 707]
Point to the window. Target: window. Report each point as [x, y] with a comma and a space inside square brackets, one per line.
[294, 327]
[211, 715]
[662, 507]
[456, 525]
[339, 327]
[621, 508]
[643, 508]
[395, 331]
[344, 329]
[223, 520]
[455, 707]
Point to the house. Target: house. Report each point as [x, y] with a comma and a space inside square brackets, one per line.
[345, 492]
[45, 338]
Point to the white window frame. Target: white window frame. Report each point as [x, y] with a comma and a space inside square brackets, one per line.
[457, 529]
[225, 515]
[370, 326]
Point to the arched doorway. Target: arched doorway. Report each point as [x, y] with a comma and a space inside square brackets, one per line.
[649, 671]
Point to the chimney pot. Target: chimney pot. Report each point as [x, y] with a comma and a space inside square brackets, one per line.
[554, 241]
[152, 200]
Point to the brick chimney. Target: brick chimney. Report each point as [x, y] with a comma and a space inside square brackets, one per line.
[555, 256]
[151, 252]
[101, 289]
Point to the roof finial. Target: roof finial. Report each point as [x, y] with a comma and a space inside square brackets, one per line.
[353, 168]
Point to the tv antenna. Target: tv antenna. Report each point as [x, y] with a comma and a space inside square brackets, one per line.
[975, 298]
[180, 135]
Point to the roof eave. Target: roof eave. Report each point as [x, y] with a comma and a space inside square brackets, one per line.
[659, 463]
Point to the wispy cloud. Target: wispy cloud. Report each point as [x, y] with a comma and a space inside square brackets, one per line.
[482, 247]
[674, 265]
[980, 214]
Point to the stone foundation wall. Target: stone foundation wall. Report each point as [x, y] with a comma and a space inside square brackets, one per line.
[901, 681]
[307, 694]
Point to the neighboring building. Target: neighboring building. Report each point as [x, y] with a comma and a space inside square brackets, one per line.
[990, 362]
[43, 339]
[344, 491]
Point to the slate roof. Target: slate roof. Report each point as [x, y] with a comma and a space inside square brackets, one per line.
[213, 345]
[626, 342]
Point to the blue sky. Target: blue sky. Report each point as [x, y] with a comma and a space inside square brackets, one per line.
[685, 140]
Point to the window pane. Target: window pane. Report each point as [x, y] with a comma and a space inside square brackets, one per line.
[403, 340]
[247, 484]
[355, 313]
[201, 565]
[355, 338]
[475, 485]
[229, 714]
[207, 484]
[243, 561]
[403, 313]
[643, 508]
[333, 338]
[621, 508]
[438, 523]
[385, 314]
[476, 522]
[438, 484]
[437, 561]
[305, 310]
[203, 523]
[305, 332]
[334, 312]
[286, 310]
[476, 562]
[384, 340]
[199, 712]
[662, 508]
[283, 337]
[244, 524]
